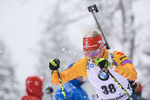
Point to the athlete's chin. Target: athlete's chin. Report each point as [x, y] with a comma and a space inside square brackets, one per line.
[92, 58]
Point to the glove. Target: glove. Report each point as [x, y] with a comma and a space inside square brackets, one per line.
[133, 85]
[102, 63]
[54, 64]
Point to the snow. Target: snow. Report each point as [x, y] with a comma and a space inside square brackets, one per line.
[20, 28]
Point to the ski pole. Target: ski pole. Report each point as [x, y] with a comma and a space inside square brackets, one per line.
[92, 9]
[61, 85]
[55, 62]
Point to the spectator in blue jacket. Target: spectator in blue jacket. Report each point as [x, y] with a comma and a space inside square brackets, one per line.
[73, 90]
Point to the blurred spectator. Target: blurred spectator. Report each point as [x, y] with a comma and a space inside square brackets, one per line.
[138, 91]
[73, 90]
[49, 90]
[33, 88]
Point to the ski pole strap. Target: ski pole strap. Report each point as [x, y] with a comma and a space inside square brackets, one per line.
[120, 85]
[62, 86]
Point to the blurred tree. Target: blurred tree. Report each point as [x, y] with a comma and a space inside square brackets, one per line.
[128, 27]
[143, 58]
[8, 90]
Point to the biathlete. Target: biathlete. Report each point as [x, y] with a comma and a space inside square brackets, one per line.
[93, 67]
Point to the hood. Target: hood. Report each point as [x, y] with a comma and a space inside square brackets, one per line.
[34, 86]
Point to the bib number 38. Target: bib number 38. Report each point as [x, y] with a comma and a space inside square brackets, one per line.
[108, 89]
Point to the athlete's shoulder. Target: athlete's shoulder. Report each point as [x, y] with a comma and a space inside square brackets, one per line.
[119, 56]
[83, 60]
[118, 52]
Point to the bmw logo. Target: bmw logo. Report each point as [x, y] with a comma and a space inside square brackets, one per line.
[102, 75]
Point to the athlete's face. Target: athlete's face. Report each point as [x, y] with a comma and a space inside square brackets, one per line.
[94, 54]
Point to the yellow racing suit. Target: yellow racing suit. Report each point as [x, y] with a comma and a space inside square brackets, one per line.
[124, 67]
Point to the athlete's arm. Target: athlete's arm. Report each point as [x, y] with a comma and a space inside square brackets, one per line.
[78, 69]
[125, 66]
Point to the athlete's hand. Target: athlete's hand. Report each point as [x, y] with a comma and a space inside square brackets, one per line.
[102, 63]
[54, 64]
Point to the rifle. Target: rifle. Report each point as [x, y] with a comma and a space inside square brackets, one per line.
[93, 9]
